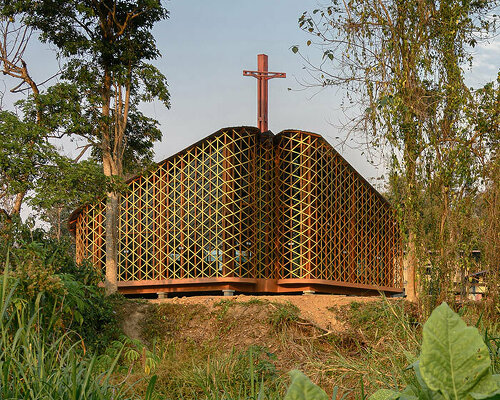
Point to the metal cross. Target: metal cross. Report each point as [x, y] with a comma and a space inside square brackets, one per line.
[262, 75]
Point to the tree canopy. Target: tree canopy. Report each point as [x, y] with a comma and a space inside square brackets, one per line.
[402, 65]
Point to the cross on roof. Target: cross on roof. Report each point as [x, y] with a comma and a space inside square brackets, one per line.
[262, 75]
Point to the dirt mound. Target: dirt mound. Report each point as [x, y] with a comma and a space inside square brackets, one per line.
[314, 308]
[239, 322]
[335, 340]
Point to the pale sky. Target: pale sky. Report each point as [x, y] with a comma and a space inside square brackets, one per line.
[205, 46]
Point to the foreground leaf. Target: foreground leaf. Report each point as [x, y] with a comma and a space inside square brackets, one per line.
[385, 394]
[454, 358]
[487, 389]
[302, 388]
[424, 393]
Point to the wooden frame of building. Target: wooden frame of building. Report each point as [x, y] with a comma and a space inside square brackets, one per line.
[251, 212]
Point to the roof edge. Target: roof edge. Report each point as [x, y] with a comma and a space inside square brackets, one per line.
[74, 215]
[363, 179]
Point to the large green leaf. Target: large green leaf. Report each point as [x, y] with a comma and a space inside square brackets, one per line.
[302, 388]
[454, 358]
[409, 393]
[424, 393]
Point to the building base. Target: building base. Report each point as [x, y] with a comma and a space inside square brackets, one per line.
[250, 285]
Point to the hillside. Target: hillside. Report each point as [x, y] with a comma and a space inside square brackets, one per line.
[206, 344]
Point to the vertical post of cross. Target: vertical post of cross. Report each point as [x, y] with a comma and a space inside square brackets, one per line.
[262, 94]
[263, 75]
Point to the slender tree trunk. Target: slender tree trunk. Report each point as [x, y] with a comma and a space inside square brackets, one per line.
[492, 236]
[112, 204]
[411, 286]
[410, 155]
[112, 211]
[113, 150]
[447, 274]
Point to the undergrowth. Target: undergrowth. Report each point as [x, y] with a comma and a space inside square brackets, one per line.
[234, 350]
[41, 359]
[205, 353]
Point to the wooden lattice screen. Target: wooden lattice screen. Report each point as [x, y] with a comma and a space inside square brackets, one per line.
[243, 204]
[331, 223]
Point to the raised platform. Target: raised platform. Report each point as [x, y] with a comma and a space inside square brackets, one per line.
[252, 285]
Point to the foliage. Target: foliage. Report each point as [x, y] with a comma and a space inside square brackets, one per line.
[454, 364]
[31, 165]
[46, 270]
[37, 360]
[106, 45]
[22, 153]
[454, 360]
[302, 388]
[402, 65]
[235, 375]
[130, 354]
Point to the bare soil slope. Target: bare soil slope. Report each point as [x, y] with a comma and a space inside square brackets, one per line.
[315, 308]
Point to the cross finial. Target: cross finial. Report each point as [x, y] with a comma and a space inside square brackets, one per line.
[262, 75]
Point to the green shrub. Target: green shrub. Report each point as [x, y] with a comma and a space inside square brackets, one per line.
[39, 361]
[46, 266]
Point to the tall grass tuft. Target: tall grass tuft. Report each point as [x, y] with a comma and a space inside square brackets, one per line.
[38, 360]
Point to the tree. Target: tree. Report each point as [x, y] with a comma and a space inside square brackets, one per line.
[14, 40]
[106, 44]
[402, 63]
[484, 118]
[49, 181]
[23, 152]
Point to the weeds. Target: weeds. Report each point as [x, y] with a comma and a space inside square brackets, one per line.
[163, 321]
[283, 314]
[39, 361]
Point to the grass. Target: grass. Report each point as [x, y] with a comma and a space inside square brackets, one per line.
[39, 360]
[237, 348]
[380, 340]
[283, 314]
[187, 370]
[234, 350]
[474, 314]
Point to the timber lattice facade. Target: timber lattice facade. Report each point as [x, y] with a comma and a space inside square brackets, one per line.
[252, 212]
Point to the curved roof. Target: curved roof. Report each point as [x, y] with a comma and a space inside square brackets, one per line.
[74, 214]
[72, 218]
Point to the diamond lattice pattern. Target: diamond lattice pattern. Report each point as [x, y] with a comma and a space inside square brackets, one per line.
[245, 204]
[331, 224]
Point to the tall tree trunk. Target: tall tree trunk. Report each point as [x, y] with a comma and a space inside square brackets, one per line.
[112, 211]
[492, 236]
[410, 203]
[113, 150]
[112, 204]
[16, 209]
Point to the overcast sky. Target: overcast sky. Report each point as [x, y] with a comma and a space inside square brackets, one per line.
[205, 46]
